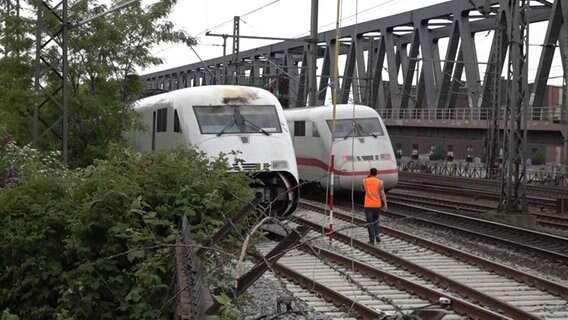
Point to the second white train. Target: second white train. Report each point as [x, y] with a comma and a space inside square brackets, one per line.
[361, 142]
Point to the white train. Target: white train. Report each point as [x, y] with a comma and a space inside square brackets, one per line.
[222, 119]
[361, 143]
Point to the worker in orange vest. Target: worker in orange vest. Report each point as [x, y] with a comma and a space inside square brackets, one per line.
[375, 201]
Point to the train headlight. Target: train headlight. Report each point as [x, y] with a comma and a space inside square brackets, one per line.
[279, 164]
[385, 156]
[347, 157]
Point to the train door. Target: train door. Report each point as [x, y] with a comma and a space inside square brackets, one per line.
[159, 128]
[154, 131]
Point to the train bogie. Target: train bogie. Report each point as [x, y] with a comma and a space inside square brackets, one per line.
[244, 124]
[361, 142]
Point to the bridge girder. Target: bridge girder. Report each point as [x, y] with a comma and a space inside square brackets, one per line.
[392, 62]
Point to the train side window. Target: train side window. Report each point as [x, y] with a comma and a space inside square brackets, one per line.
[177, 127]
[162, 121]
[299, 128]
[315, 132]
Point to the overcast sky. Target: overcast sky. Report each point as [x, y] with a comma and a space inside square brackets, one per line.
[265, 18]
[291, 19]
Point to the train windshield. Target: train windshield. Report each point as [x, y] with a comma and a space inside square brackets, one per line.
[345, 128]
[237, 119]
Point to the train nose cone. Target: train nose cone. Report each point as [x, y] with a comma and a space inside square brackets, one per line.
[351, 174]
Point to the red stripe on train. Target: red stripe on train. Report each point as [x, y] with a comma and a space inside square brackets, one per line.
[312, 162]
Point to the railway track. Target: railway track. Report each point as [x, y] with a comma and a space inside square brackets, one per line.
[466, 279]
[551, 247]
[479, 184]
[470, 203]
[491, 198]
[340, 286]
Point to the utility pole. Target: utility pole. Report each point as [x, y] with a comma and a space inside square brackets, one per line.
[493, 123]
[52, 30]
[492, 156]
[235, 61]
[313, 54]
[513, 178]
[235, 54]
[563, 41]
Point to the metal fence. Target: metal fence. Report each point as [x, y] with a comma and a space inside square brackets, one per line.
[190, 304]
[536, 175]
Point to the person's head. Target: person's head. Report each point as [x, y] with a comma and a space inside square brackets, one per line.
[373, 172]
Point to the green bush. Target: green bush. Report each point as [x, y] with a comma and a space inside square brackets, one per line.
[538, 158]
[97, 243]
[439, 153]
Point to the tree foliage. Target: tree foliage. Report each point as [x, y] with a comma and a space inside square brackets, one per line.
[16, 71]
[104, 56]
[97, 243]
[539, 158]
[438, 153]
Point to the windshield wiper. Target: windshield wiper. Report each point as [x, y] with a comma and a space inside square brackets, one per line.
[365, 130]
[256, 127]
[228, 126]
[348, 133]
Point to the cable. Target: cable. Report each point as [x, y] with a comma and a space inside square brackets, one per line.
[205, 65]
[253, 27]
[334, 100]
[220, 25]
[353, 146]
[371, 8]
[241, 16]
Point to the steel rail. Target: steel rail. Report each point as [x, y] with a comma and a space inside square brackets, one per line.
[557, 222]
[529, 279]
[476, 192]
[541, 283]
[553, 255]
[430, 275]
[458, 305]
[503, 270]
[446, 180]
[334, 296]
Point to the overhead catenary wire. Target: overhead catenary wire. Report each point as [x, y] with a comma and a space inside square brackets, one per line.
[218, 26]
[241, 16]
[353, 142]
[333, 120]
[255, 11]
[354, 15]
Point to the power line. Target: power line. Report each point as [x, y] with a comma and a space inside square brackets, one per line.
[218, 26]
[351, 16]
[241, 16]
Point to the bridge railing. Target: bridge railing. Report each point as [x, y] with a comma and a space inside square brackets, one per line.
[551, 113]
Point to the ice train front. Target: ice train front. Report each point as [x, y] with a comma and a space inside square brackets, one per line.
[249, 127]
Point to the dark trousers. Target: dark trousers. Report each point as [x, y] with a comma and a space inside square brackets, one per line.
[372, 215]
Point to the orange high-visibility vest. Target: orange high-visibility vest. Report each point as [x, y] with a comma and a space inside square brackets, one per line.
[373, 187]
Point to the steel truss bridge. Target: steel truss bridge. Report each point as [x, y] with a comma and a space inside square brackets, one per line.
[413, 62]
[394, 62]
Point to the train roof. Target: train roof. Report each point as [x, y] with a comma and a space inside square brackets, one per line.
[212, 95]
[342, 111]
